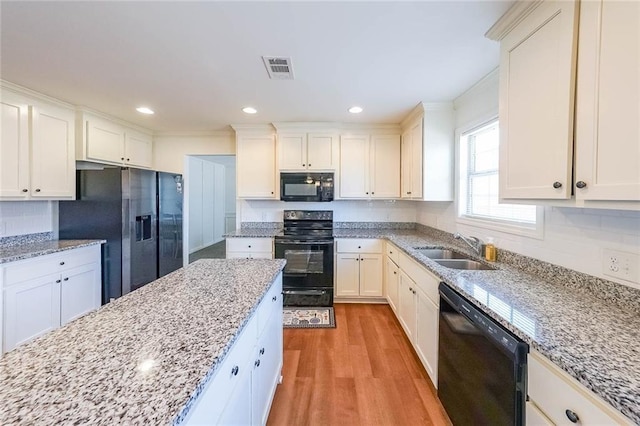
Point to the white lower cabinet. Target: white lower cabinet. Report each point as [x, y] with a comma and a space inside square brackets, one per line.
[412, 292]
[359, 268]
[558, 398]
[249, 248]
[242, 389]
[45, 292]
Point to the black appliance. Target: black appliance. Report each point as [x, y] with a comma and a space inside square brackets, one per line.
[120, 205]
[306, 186]
[307, 245]
[481, 365]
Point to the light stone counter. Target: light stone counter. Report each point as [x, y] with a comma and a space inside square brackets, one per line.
[142, 359]
[12, 253]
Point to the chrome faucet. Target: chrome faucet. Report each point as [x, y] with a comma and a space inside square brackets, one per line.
[474, 242]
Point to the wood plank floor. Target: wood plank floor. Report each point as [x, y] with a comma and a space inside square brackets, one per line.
[363, 372]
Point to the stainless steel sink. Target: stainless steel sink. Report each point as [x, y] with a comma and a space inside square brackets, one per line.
[466, 264]
[438, 253]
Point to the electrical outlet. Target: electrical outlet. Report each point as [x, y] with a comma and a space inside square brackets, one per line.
[621, 264]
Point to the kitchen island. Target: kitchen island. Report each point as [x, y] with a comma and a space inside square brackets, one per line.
[144, 358]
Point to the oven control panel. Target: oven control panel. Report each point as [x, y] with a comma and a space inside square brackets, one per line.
[308, 215]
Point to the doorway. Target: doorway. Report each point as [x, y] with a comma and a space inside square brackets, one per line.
[211, 194]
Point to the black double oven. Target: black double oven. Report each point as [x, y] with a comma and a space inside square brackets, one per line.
[307, 245]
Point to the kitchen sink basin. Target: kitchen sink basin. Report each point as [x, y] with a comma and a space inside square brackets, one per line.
[466, 264]
[438, 253]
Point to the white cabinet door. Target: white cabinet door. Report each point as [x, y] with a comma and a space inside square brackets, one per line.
[256, 166]
[14, 146]
[392, 282]
[138, 149]
[31, 309]
[416, 159]
[608, 102]
[79, 292]
[385, 166]
[320, 151]
[104, 140]
[371, 275]
[293, 151]
[405, 164]
[53, 171]
[426, 338]
[354, 166]
[266, 373]
[407, 305]
[347, 274]
[237, 412]
[537, 66]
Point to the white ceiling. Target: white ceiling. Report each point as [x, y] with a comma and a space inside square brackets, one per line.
[198, 63]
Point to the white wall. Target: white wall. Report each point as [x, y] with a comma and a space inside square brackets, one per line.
[169, 150]
[343, 211]
[573, 237]
[28, 217]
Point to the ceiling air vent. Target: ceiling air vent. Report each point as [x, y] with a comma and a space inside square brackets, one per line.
[278, 67]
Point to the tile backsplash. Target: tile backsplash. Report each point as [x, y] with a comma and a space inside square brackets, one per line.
[27, 217]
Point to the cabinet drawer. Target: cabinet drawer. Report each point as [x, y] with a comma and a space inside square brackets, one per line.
[554, 392]
[28, 269]
[250, 244]
[358, 245]
[393, 252]
[427, 282]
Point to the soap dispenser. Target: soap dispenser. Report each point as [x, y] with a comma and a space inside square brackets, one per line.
[490, 252]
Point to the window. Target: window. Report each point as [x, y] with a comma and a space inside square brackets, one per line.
[478, 195]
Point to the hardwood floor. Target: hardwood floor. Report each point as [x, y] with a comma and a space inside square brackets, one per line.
[363, 372]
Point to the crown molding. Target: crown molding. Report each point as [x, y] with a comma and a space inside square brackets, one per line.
[512, 17]
[81, 109]
[197, 133]
[253, 128]
[304, 126]
[419, 110]
[492, 78]
[16, 88]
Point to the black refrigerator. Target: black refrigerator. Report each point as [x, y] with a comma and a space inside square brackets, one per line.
[121, 206]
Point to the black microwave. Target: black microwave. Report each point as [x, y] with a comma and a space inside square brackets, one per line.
[306, 186]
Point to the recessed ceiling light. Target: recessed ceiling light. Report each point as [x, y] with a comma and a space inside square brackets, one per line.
[249, 110]
[355, 110]
[144, 110]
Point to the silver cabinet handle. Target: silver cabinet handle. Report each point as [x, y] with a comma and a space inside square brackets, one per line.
[234, 370]
[581, 184]
[557, 185]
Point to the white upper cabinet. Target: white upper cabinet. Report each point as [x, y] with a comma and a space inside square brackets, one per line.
[608, 102]
[369, 166]
[256, 162]
[301, 149]
[537, 75]
[555, 55]
[37, 155]
[427, 153]
[106, 141]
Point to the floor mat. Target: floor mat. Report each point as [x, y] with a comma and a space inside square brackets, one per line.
[308, 317]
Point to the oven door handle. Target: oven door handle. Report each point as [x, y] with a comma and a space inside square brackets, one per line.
[305, 292]
[298, 242]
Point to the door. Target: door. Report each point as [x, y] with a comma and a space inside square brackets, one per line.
[170, 187]
[309, 264]
[392, 282]
[537, 80]
[407, 305]
[405, 165]
[320, 150]
[371, 275]
[608, 102]
[256, 167]
[426, 342]
[79, 292]
[354, 166]
[105, 140]
[238, 411]
[293, 151]
[385, 166]
[14, 150]
[347, 274]
[32, 308]
[53, 172]
[417, 134]
[267, 373]
[138, 149]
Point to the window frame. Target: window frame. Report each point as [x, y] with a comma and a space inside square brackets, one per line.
[496, 224]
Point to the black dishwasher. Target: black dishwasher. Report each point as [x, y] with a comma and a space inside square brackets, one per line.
[481, 365]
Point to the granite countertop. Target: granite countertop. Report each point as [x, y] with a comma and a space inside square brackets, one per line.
[254, 233]
[592, 337]
[142, 359]
[28, 250]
